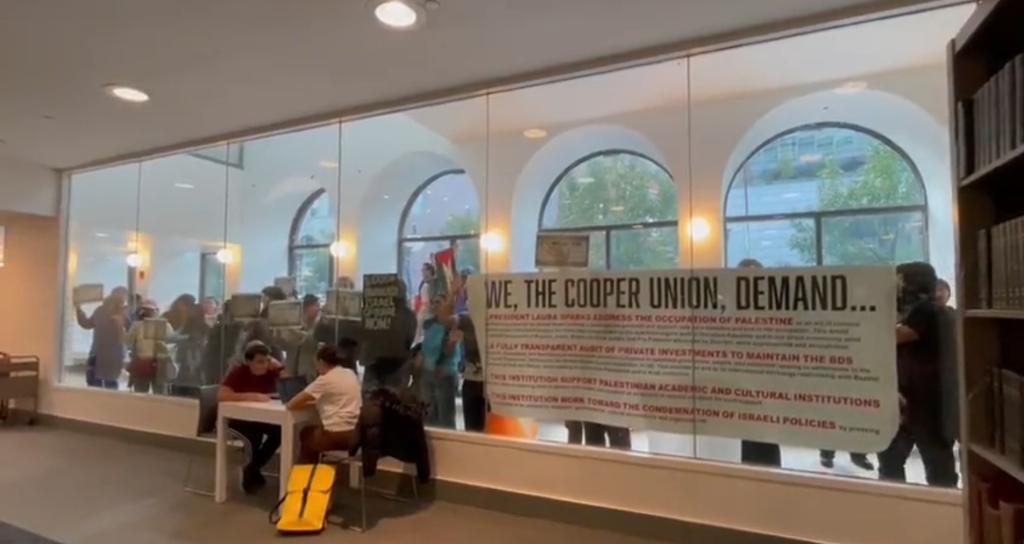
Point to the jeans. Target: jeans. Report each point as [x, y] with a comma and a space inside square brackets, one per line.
[442, 398]
[263, 438]
[760, 453]
[474, 406]
[936, 453]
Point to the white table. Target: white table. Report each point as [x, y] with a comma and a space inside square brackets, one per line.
[273, 413]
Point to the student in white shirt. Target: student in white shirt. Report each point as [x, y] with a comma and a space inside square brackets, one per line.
[338, 399]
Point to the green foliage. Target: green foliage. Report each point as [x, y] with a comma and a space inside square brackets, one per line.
[620, 189]
[884, 180]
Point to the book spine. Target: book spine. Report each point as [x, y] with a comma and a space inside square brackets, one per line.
[984, 293]
[982, 99]
[962, 169]
[997, 268]
[1012, 294]
[1009, 115]
[1011, 387]
[1019, 98]
[1018, 262]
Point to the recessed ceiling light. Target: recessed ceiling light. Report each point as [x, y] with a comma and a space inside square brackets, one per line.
[535, 133]
[128, 94]
[184, 186]
[328, 164]
[398, 14]
[851, 87]
[386, 197]
[102, 235]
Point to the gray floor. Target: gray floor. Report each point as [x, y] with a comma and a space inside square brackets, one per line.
[78, 488]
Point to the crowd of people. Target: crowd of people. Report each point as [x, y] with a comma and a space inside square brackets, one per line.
[201, 342]
[439, 357]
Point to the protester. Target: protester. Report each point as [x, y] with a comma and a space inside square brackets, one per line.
[919, 368]
[424, 294]
[390, 369]
[150, 366]
[108, 324]
[190, 343]
[442, 356]
[338, 400]
[211, 310]
[219, 350]
[177, 314]
[474, 404]
[255, 380]
[943, 293]
[462, 292]
[751, 451]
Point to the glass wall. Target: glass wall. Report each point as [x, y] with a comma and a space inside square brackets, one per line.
[774, 153]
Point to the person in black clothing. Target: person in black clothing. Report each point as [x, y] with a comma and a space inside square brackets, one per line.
[751, 451]
[918, 360]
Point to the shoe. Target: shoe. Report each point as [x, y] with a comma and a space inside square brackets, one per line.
[252, 481]
[862, 461]
[827, 462]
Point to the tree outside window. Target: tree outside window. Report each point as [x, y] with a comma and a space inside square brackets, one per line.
[857, 199]
[625, 202]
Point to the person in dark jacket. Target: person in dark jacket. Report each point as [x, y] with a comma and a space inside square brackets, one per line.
[474, 404]
[390, 369]
[919, 338]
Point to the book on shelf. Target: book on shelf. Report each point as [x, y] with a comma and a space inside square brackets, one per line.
[997, 253]
[984, 285]
[964, 152]
[1012, 288]
[1018, 87]
[1011, 384]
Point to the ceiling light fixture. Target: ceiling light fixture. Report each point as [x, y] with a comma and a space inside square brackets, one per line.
[102, 235]
[184, 186]
[128, 94]
[535, 133]
[225, 256]
[851, 87]
[328, 164]
[398, 14]
[133, 260]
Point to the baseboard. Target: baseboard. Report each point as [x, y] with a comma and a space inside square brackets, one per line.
[606, 519]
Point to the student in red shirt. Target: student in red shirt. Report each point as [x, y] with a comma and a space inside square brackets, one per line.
[254, 380]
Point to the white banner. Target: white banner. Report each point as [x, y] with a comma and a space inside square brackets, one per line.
[794, 356]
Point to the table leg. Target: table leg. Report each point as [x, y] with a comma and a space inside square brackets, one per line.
[220, 493]
[287, 455]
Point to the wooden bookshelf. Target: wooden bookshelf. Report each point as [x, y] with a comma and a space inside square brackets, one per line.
[994, 314]
[999, 460]
[986, 195]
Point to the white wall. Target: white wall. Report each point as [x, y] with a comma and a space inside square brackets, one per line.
[27, 187]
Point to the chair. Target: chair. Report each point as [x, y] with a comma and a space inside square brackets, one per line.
[355, 464]
[206, 427]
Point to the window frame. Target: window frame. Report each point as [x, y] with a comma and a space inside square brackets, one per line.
[294, 247]
[452, 239]
[607, 229]
[819, 216]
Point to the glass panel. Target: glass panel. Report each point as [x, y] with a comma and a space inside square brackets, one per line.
[575, 157]
[837, 163]
[414, 256]
[867, 172]
[779, 243]
[645, 248]
[612, 188]
[876, 239]
[181, 223]
[102, 240]
[447, 206]
[313, 270]
[318, 223]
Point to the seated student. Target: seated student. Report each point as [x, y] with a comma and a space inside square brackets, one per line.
[254, 380]
[338, 400]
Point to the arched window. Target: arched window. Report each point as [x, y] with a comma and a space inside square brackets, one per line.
[309, 247]
[625, 201]
[826, 194]
[443, 212]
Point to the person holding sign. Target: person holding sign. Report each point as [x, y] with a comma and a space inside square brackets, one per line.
[150, 365]
[108, 324]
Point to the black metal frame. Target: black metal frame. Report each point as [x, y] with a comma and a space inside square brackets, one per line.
[606, 229]
[819, 216]
[293, 246]
[452, 239]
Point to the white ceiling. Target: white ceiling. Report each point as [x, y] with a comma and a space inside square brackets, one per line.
[222, 66]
